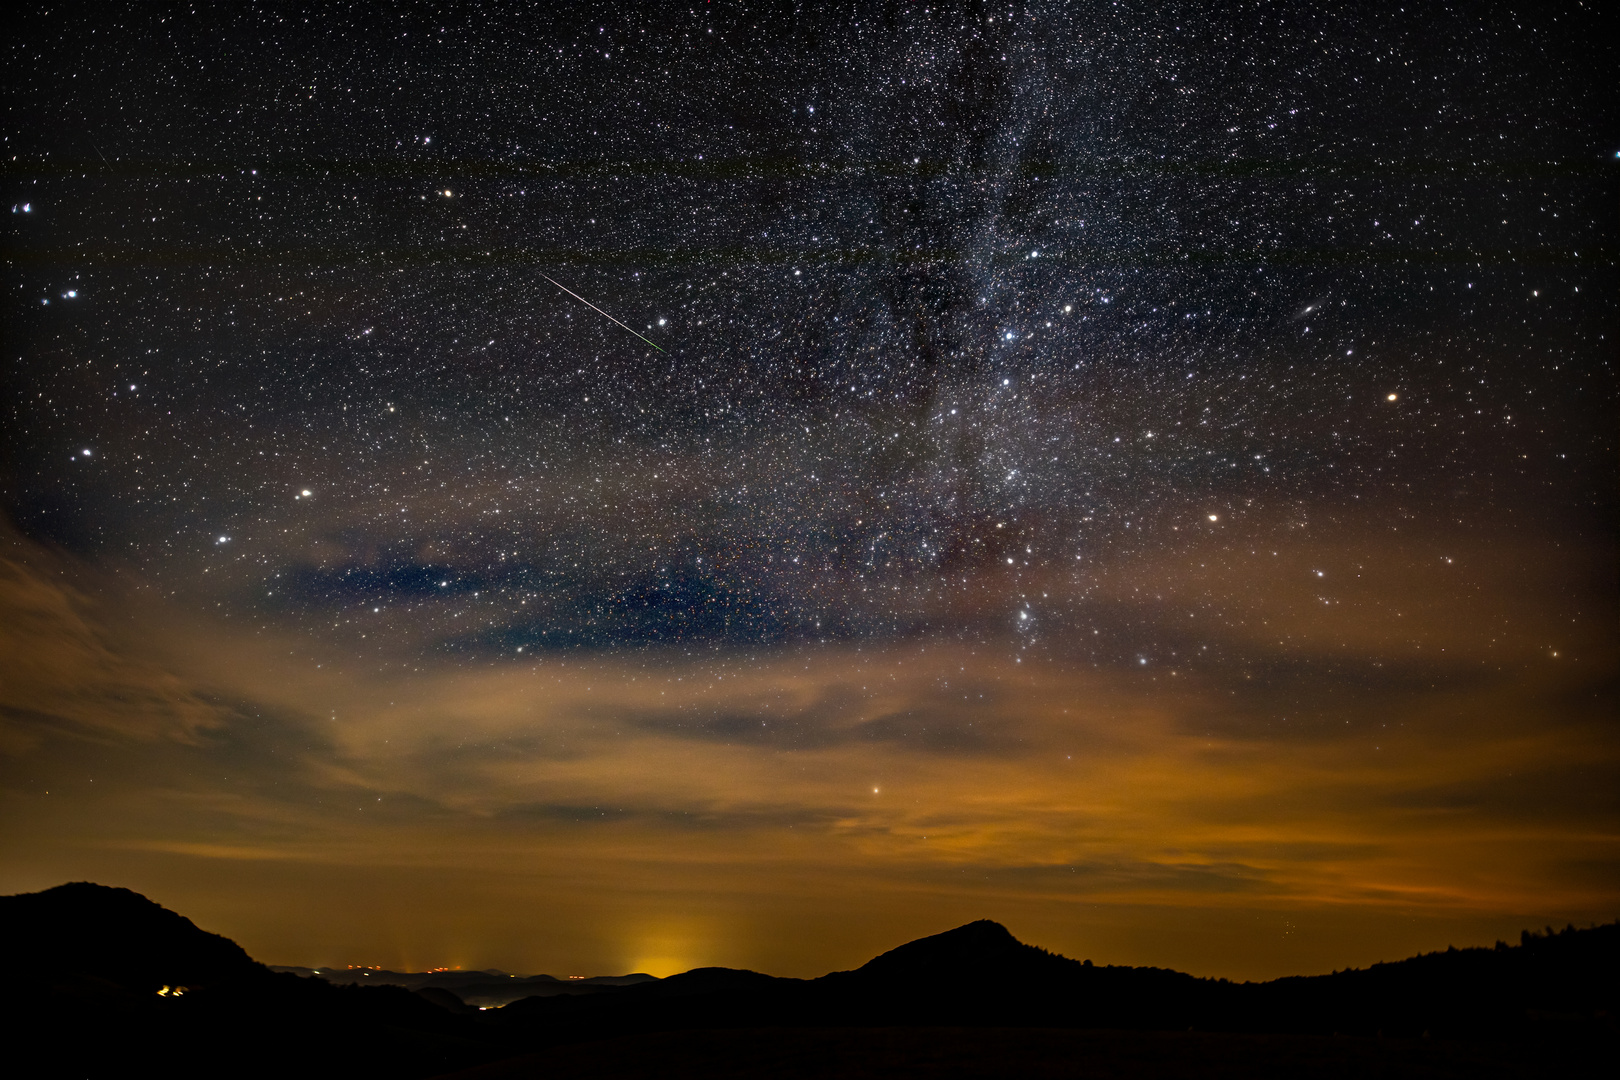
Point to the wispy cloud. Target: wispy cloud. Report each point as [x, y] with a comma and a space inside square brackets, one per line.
[1445, 785]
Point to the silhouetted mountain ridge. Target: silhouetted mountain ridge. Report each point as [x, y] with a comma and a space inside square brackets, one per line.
[711, 980]
[119, 936]
[108, 983]
[980, 975]
[95, 958]
[978, 950]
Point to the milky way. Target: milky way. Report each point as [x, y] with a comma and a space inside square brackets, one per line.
[1267, 355]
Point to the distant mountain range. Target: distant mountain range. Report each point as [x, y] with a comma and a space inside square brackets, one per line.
[478, 989]
[106, 983]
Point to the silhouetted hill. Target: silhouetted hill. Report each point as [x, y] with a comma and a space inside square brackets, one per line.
[1549, 982]
[83, 1000]
[979, 950]
[93, 961]
[1557, 986]
[119, 936]
[716, 980]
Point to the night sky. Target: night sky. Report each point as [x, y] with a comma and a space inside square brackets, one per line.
[1141, 474]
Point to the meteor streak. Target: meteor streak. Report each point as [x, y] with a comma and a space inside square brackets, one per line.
[596, 309]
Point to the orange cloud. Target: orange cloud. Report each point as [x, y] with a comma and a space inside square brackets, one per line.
[666, 806]
[66, 674]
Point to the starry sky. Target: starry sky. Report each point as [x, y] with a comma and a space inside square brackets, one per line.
[645, 486]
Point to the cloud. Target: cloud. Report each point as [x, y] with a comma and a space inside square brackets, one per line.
[66, 673]
[971, 718]
[860, 775]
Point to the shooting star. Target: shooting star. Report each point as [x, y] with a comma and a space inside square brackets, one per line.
[596, 309]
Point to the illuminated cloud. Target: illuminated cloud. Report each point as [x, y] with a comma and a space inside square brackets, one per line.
[962, 776]
[67, 675]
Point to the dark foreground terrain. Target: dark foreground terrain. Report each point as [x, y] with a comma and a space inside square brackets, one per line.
[1032, 1053]
[106, 983]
